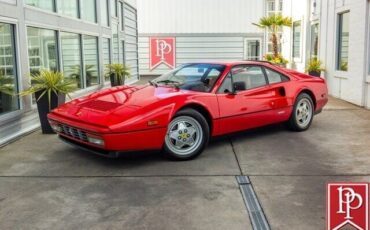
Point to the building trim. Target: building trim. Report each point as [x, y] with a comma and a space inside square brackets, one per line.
[366, 87]
[201, 34]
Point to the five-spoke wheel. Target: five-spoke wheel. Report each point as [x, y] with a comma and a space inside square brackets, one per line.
[302, 114]
[187, 135]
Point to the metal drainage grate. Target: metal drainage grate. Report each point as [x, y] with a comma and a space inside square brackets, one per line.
[258, 219]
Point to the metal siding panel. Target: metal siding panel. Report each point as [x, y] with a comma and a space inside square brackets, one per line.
[131, 23]
[131, 48]
[130, 31]
[206, 48]
[208, 39]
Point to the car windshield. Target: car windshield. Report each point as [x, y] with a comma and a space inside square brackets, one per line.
[195, 77]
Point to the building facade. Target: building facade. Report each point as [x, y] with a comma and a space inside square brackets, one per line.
[207, 29]
[334, 31]
[337, 33]
[344, 48]
[77, 37]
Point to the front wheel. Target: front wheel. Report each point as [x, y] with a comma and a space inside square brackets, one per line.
[187, 135]
[302, 114]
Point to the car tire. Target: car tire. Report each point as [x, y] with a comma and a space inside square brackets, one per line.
[187, 135]
[302, 114]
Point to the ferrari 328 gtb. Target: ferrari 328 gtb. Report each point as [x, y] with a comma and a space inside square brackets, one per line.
[180, 111]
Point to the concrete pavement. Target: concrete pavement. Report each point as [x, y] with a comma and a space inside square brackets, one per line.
[45, 183]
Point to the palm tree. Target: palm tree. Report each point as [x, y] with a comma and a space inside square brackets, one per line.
[273, 23]
[118, 73]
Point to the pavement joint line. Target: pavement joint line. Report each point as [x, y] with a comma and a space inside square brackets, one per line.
[307, 175]
[119, 176]
[195, 175]
[236, 156]
[255, 211]
[344, 109]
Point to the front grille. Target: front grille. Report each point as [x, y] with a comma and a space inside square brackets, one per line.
[73, 132]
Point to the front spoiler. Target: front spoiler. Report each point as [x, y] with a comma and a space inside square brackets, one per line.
[97, 151]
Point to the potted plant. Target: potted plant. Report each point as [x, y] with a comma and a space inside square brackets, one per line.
[274, 23]
[117, 73]
[278, 59]
[50, 89]
[314, 67]
[344, 66]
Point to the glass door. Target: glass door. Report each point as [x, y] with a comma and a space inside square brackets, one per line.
[252, 49]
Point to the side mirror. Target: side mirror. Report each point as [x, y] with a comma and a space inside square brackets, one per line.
[239, 86]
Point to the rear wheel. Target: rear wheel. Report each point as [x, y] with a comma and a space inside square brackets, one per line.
[187, 135]
[302, 114]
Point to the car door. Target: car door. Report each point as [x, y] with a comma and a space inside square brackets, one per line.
[243, 108]
[280, 103]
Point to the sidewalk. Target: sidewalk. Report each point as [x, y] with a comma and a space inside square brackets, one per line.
[47, 184]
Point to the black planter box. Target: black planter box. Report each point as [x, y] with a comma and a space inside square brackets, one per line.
[43, 108]
[315, 73]
[114, 81]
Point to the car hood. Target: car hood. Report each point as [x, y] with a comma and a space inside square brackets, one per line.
[112, 106]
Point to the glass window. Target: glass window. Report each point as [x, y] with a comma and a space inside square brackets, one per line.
[68, 8]
[193, 77]
[271, 5]
[314, 40]
[252, 76]
[297, 39]
[275, 77]
[226, 85]
[115, 43]
[343, 41]
[106, 52]
[280, 5]
[113, 8]
[252, 49]
[88, 10]
[42, 4]
[71, 57]
[91, 70]
[8, 74]
[104, 13]
[121, 16]
[42, 49]
[122, 54]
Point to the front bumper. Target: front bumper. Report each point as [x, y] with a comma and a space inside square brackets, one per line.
[113, 143]
[88, 148]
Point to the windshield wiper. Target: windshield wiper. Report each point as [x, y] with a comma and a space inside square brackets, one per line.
[167, 81]
[153, 83]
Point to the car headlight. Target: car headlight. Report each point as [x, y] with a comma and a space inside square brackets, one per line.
[57, 128]
[95, 140]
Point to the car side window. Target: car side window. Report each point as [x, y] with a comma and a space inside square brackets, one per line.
[275, 77]
[251, 76]
[226, 85]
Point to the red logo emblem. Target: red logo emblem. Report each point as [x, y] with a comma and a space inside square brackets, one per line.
[162, 50]
[347, 206]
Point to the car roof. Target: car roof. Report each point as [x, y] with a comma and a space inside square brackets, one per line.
[231, 62]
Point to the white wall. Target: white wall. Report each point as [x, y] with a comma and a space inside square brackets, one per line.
[199, 16]
[348, 85]
[298, 11]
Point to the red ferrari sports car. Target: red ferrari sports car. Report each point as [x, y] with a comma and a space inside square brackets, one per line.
[180, 111]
